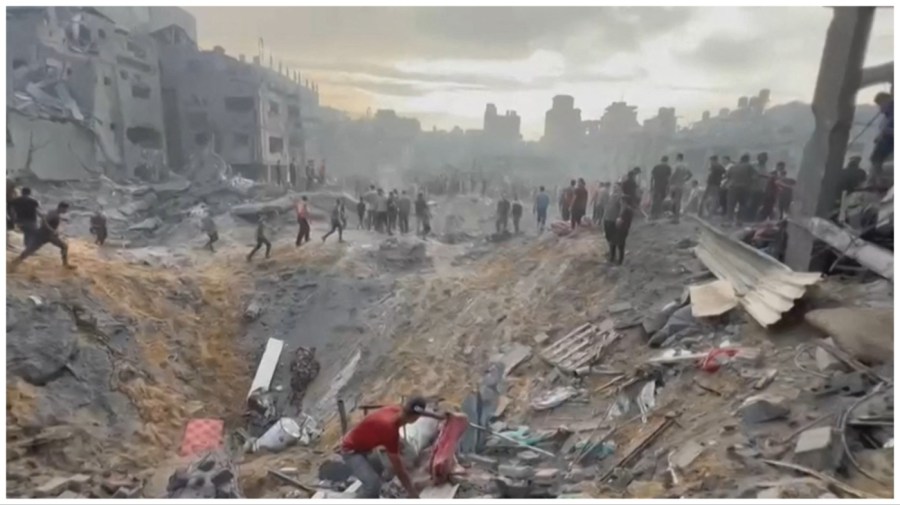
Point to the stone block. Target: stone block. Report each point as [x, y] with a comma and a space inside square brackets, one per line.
[540, 338]
[763, 408]
[516, 471]
[529, 457]
[480, 461]
[817, 449]
[546, 476]
[686, 454]
[826, 362]
[52, 487]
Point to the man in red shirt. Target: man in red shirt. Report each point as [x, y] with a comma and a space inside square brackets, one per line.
[381, 428]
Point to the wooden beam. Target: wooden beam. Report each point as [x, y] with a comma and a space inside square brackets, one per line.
[840, 75]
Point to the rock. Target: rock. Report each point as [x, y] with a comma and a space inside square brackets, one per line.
[817, 449]
[763, 408]
[40, 350]
[79, 481]
[70, 495]
[826, 362]
[546, 476]
[212, 475]
[52, 487]
[515, 471]
[529, 456]
[514, 357]
[620, 307]
[686, 454]
[772, 493]
[540, 338]
[253, 311]
[149, 224]
[864, 333]
[645, 489]
[484, 462]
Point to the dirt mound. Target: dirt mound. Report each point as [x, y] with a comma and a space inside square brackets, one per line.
[121, 353]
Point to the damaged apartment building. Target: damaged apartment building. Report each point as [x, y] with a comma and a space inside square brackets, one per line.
[125, 92]
[251, 116]
[83, 96]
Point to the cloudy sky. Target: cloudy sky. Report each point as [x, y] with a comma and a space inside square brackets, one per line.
[442, 65]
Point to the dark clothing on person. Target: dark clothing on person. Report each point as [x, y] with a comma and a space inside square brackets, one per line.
[261, 240]
[404, 205]
[45, 234]
[516, 215]
[660, 175]
[503, 207]
[303, 234]
[209, 226]
[98, 228]
[579, 205]
[25, 208]
[716, 174]
[391, 214]
[852, 178]
[337, 223]
[361, 213]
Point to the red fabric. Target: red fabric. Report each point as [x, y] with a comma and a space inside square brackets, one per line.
[381, 428]
[443, 455]
[202, 435]
[710, 364]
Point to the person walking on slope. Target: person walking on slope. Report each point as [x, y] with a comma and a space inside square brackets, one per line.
[541, 204]
[627, 205]
[502, 215]
[381, 213]
[566, 199]
[261, 239]
[337, 221]
[46, 233]
[208, 226]
[381, 429]
[516, 213]
[579, 203]
[302, 221]
[98, 227]
[25, 210]
[611, 216]
[392, 211]
[361, 213]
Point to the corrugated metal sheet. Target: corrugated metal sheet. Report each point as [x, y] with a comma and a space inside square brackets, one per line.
[765, 287]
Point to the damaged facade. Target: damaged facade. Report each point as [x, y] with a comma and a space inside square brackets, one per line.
[75, 65]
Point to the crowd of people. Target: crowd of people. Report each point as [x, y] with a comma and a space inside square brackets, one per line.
[38, 229]
[386, 213]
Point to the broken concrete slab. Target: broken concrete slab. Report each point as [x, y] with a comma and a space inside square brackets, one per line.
[516, 355]
[826, 362]
[817, 449]
[763, 408]
[529, 457]
[866, 334]
[712, 299]
[444, 492]
[547, 476]
[618, 308]
[540, 338]
[515, 471]
[685, 455]
[480, 461]
[266, 369]
[52, 487]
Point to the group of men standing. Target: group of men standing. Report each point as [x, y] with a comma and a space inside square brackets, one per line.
[386, 212]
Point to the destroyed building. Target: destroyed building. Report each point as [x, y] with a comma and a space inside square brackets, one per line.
[562, 124]
[505, 128]
[248, 114]
[80, 86]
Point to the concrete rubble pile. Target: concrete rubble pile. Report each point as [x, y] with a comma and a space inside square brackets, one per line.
[212, 475]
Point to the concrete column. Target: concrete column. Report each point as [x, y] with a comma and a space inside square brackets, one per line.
[823, 157]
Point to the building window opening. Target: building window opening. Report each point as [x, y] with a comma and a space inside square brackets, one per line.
[101, 32]
[107, 81]
[273, 107]
[276, 145]
[140, 91]
[144, 136]
[239, 103]
[18, 62]
[201, 139]
[123, 74]
[293, 111]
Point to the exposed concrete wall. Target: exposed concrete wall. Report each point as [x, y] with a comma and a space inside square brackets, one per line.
[150, 19]
[54, 151]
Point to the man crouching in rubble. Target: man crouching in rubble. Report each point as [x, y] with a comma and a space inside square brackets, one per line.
[46, 233]
[381, 428]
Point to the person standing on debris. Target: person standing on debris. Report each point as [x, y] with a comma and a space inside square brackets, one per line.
[611, 214]
[884, 143]
[337, 221]
[10, 213]
[381, 429]
[392, 209]
[713, 185]
[579, 203]
[381, 212]
[541, 204]
[404, 206]
[785, 194]
[423, 215]
[98, 226]
[740, 183]
[758, 188]
[208, 226]
[46, 233]
[261, 239]
[694, 197]
[361, 212]
[679, 179]
[627, 207]
[728, 165]
[371, 198]
[516, 213]
[502, 214]
[770, 196]
[659, 186]
[566, 199]
[25, 209]
[310, 175]
[599, 203]
[304, 369]
[322, 172]
[302, 221]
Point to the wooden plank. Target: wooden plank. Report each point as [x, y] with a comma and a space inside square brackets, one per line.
[571, 334]
[267, 364]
